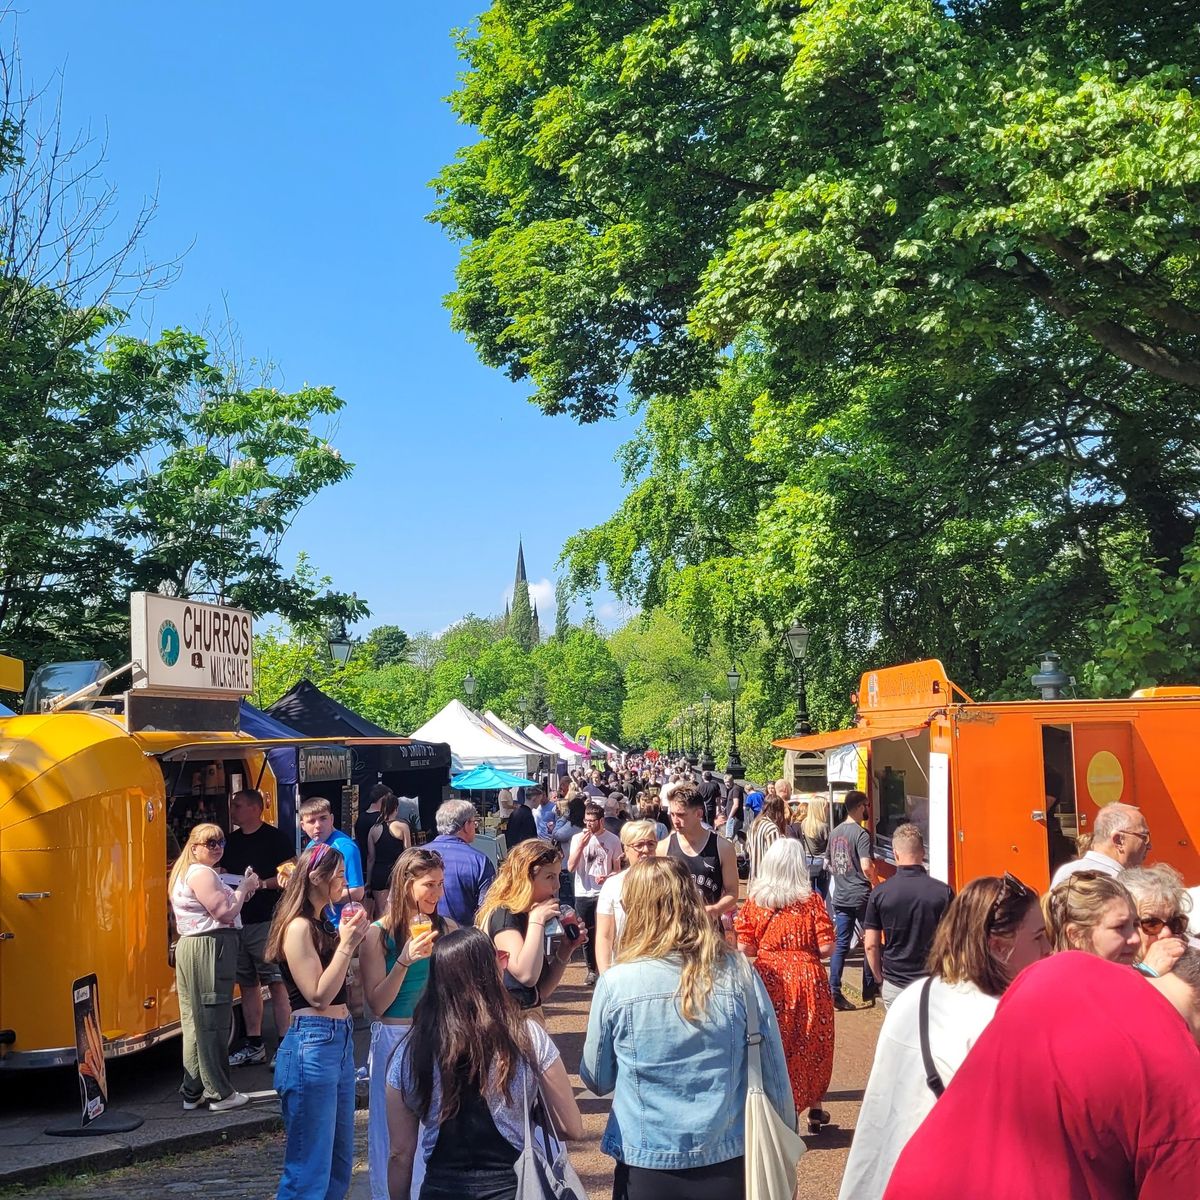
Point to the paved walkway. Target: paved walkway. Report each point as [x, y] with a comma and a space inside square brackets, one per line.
[233, 1168]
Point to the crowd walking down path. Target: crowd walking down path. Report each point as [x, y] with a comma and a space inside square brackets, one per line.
[249, 1170]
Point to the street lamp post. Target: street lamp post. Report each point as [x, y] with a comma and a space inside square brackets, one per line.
[469, 686]
[734, 767]
[340, 644]
[692, 757]
[522, 707]
[706, 759]
[797, 643]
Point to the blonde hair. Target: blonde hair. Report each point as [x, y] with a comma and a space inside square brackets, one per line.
[816, 820]
[671, 921]
[635, 831]
[187, 856]
[1076, 906]
[513, 885]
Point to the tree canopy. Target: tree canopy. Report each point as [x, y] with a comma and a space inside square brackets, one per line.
[905, 293]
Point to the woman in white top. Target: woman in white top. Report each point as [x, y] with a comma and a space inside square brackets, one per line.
[991, 931]
[207, 918]
[640, 840]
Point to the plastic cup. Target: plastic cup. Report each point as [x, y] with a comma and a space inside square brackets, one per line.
[351, 907]
[420, 924]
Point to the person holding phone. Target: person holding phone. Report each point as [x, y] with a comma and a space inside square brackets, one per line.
[595, 854]
[314, 1070]
[207, 916]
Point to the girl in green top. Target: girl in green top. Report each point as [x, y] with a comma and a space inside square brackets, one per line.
[395, 966]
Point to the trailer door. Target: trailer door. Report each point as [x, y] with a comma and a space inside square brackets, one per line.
[999, 797]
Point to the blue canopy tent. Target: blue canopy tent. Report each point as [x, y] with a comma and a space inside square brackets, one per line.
[283, 760]
[485, 778]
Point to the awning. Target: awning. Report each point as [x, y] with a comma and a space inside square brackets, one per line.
[847, 737]
[180, 753]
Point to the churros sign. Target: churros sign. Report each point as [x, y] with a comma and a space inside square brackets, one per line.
[182, 645]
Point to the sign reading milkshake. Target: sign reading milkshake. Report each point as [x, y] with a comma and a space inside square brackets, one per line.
[182, 645]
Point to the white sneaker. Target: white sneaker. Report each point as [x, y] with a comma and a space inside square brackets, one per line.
[233, 1100]
[192, 1105]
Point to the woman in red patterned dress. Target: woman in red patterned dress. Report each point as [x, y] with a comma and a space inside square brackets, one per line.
[785, 928]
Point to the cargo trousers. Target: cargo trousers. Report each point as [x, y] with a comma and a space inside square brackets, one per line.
[205, 969]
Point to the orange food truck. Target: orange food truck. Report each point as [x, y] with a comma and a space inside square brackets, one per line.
[1008, 785]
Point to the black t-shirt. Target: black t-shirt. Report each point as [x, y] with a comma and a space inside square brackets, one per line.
[264, 850]
[907, 909]
[709, 791]
[521, 826]
[505, 918]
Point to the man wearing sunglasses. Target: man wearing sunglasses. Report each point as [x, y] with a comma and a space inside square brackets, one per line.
[1120, 839]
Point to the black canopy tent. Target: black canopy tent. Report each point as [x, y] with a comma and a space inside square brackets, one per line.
[409, 768]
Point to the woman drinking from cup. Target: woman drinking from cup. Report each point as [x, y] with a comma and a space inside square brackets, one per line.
[314, 1070]
[395, 968]
[521, 913]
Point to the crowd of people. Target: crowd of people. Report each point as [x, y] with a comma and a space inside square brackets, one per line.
[639, 872]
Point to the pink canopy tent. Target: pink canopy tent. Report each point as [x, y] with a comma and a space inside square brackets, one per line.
[559, 736]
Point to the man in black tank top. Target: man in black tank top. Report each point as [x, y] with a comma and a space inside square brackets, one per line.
[711, 860]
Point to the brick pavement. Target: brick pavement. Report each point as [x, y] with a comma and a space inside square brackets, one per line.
[249, 1170]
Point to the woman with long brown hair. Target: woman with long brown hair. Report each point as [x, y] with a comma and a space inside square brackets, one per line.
[207, 918]
[395, 967]
[667, 1035]
[387, 839]
[991, 931]
[774, 821]
[518, 910]
[314, 1069]
[459, 1083]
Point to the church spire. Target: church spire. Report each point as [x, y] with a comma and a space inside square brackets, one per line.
[521, 562]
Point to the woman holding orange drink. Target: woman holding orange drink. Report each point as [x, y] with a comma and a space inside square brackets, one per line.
[395, 966]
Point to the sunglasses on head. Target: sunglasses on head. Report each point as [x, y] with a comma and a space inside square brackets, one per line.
[1011, 888]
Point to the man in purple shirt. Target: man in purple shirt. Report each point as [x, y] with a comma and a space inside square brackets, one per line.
[468, 872]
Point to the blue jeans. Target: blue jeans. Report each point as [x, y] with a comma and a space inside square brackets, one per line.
[845, 920]
[314, 1076]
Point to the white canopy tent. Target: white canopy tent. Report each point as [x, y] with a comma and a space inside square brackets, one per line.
[473, 743]
[534, 734]
[506, 730]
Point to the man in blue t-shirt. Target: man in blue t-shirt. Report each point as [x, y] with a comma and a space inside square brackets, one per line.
[316, 820]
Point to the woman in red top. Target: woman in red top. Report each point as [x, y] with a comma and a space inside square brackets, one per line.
[785, 928]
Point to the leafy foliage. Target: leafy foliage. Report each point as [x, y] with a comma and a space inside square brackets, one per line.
[905, 293]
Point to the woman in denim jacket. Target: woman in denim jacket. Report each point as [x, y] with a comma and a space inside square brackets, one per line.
[667, 1035]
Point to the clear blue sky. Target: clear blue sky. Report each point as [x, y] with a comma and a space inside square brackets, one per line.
[291, 146]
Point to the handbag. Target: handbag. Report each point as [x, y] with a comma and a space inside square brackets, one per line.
[545, 1174]
[773, 1148]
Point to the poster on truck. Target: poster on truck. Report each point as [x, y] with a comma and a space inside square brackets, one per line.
[89, 1048]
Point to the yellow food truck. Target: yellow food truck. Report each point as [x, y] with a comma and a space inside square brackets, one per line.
[97, 794]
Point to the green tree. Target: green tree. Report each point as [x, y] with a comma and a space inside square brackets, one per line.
[582, 683]
[231, 469]
[386, 645]
[520, 618]
[905, 292]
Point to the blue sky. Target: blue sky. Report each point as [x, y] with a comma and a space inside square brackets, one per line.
[291, 146]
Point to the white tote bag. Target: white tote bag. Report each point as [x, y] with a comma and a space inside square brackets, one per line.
[772, 1148]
